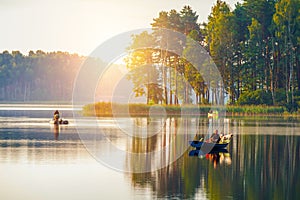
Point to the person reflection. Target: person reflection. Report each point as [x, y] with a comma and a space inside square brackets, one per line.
[218, 158]
[214, 158]
[56, 131]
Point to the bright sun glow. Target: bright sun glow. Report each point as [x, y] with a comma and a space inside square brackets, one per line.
[79, 26]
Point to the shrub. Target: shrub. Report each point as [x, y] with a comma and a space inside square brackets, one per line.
[257, 97]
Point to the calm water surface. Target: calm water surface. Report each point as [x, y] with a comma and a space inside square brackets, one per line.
[41, 161]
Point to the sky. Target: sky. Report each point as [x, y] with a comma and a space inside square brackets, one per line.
[79, 26]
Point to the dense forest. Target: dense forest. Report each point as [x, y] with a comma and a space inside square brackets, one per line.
[38, 76]
[255, 47]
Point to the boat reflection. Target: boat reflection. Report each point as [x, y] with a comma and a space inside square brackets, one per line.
[254, 165]
[216, 156]
[56, 131]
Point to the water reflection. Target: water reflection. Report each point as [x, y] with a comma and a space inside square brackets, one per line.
[257, 166]
[56, 131]
[261, 163]
[33, 140]
[163, 142]
[216, 156]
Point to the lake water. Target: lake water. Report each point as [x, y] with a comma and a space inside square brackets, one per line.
[42, 161]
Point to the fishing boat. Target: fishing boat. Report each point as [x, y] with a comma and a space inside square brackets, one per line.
[212, 114]
[199, 144]
[224, 141]
[58, 121]
[197, 152]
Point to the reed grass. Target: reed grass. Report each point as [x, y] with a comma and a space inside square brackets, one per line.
[116, 109]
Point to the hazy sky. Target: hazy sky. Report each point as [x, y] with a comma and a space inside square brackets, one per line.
[79, 26]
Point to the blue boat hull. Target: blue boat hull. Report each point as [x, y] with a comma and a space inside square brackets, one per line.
[57, 122]
[198, 145]
[201, 153]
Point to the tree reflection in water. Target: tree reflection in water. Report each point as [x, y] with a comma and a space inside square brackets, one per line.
[260, 166]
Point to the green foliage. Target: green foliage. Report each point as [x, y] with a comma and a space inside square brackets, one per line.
[117, 109]
[122, 110]
[161, 75]
[255, 109]
[263, 50]
[294, 100]
[256, 48]
[260, 97]
[257, 97]
[38, 75]
[280, 97]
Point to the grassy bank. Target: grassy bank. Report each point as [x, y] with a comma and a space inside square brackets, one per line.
[254, 110]
[114, 109]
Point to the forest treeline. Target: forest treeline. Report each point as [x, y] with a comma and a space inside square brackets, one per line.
[38, 76]
[255, 48]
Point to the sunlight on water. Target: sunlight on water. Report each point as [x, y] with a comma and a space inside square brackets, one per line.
[38, 161]
[43, 161]
[86, 180]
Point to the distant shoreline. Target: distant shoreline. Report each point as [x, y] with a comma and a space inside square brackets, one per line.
[104, 109]
[107, 109]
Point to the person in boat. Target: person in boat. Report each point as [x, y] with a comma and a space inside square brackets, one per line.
[215, 137]
[226, 138]
[56, 115]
